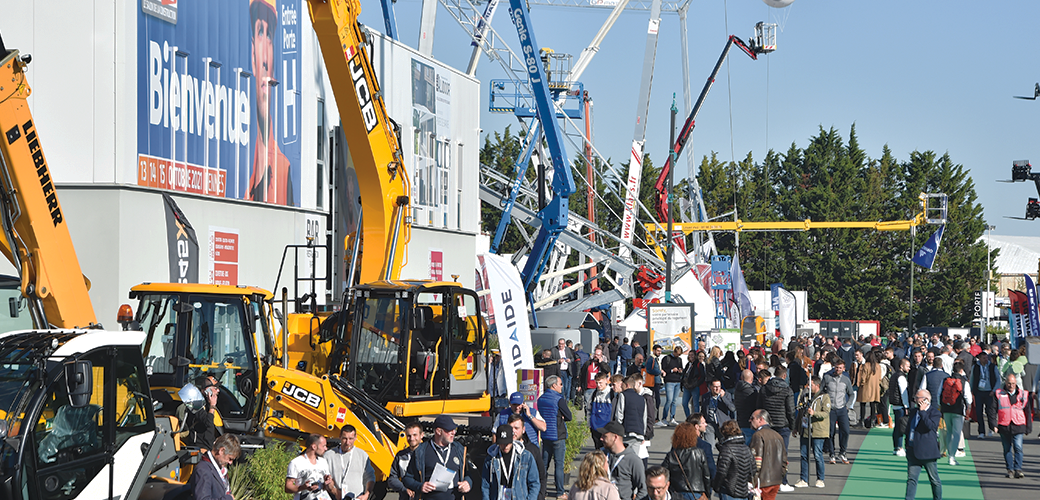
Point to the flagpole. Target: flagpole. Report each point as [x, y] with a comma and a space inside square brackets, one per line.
[913, 232]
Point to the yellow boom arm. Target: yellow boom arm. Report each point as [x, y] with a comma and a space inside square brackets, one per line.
[36, 241]
[374, 146]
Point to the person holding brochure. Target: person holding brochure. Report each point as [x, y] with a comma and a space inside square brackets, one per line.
[437, 470]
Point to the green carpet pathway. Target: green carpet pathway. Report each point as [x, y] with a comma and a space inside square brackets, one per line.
[877, 473]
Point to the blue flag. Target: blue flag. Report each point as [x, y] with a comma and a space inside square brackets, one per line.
[1033, 313]
[925, 257]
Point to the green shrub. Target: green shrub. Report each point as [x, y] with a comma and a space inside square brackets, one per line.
[238, 480]
[267, 468]
[577, 432]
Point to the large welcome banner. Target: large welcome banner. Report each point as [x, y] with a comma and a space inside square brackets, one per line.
[218, 102]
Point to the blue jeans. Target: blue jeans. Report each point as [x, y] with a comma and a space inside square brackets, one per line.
[913, 471]
[691, 396]
[897, 438]
[817, 451]
[588, 397]
[1012, 450]
[553, 450]
[723, 496]
[785, 432]
[672, 391]
[566, 379]
[748, 433]
[840, 416]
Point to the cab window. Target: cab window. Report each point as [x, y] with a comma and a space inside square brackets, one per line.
[220, 349]
[158, 318]
[468, 366]
[69, 441]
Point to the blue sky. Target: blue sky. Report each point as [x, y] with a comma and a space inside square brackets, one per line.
[913, 75]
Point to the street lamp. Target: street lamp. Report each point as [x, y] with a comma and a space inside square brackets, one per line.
[989, 279]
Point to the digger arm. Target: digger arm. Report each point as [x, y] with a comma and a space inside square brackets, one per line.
[372, 137]
[37, 240]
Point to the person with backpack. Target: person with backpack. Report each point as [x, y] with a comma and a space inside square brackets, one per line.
[954, 401]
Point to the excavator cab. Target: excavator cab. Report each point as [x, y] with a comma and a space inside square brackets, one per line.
[417, 347]
[193, 332]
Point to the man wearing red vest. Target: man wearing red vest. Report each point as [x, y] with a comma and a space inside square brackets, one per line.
[1013, 411]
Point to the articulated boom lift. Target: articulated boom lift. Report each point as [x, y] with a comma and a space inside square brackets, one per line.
[760, 46]
[554, 215]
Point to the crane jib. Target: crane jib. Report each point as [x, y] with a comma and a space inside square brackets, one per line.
[42, 172]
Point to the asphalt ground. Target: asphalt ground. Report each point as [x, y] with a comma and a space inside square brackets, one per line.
[874, 472]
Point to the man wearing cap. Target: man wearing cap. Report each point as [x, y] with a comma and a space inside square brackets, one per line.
[554, 437]
[509, 471]
[532, 424]
[440, 454]
[623, 463]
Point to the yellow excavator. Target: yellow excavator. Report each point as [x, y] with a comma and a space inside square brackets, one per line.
[397, 348]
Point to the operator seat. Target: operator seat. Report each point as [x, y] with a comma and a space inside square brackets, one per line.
[75, 433]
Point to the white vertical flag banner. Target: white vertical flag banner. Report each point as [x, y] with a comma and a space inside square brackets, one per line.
[788, 315]
[510, 316]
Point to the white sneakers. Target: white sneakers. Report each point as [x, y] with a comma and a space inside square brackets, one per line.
[661, 423]
[900, 453]
[952, 461]
[801, 484]
[673, 423]
[786, 488]
[960, 454]
[819, 484]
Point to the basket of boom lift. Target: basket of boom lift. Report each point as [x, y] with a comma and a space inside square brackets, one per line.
[1020, 170]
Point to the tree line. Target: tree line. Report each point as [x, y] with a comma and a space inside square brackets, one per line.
[848, 273]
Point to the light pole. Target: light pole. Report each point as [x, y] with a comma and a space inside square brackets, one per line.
[989, 279]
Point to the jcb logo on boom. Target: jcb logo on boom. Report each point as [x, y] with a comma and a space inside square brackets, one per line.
[364, 94]
[302, 395]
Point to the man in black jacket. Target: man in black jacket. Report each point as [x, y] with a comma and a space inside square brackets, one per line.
[672, 366]
[778, 400]
[718, 407]
[745, 397]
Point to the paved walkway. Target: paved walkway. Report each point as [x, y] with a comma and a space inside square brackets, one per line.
[875, 473]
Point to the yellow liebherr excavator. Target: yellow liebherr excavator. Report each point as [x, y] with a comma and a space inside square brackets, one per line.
[398, 348]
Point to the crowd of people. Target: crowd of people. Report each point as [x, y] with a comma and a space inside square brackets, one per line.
[741, 409]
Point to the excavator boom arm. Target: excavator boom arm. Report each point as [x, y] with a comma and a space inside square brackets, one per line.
[36, 238]
[371, 136]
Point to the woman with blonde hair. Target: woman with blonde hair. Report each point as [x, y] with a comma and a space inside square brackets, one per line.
[593, 482]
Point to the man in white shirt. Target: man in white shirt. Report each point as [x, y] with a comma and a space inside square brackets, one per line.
[350, 467]
[947, 359]
[308, 477]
